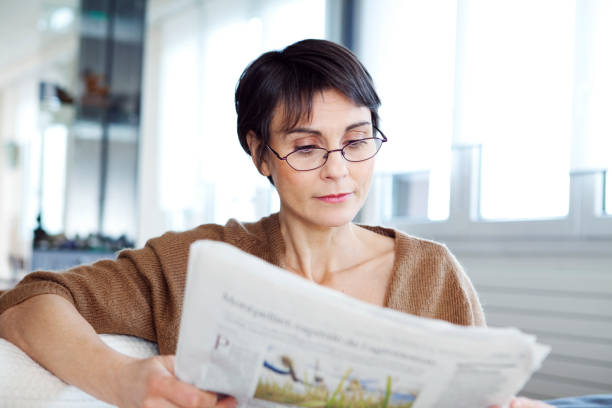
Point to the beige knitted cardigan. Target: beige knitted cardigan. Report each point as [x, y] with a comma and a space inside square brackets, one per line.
[141, 292]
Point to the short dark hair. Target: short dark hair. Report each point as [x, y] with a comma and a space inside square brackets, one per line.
[291, 77]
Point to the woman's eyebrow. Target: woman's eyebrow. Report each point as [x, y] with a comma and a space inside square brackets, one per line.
[303, 130]
[358, 124]
[318, 133]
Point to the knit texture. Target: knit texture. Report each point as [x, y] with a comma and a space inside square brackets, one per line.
[141, 292]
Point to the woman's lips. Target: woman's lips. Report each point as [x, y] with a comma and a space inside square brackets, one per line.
[335, 198]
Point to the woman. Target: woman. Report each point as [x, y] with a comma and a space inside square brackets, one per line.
[308, 117]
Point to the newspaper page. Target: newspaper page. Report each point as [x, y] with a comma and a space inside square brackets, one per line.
[271, 338]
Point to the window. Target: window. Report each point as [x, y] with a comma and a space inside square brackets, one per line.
[516, 100]
[415, 81]
[594, 121]
[202, 52]
[608, 195]
[454, 77]
[529, 92]
[53, 176]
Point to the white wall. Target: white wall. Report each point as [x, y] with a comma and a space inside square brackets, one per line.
[563, 297]
[18, 127]
[27, 55]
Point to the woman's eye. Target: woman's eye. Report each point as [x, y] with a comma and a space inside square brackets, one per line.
[357, 143]
[306, 148]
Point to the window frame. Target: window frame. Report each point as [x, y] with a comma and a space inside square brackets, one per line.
[585, 228]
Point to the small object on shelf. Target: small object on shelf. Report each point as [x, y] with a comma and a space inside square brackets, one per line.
[53, 252]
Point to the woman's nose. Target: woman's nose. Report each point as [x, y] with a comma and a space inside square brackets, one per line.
[335, 166]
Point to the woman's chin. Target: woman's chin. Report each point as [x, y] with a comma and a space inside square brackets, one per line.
[322, 215]
[335, 217]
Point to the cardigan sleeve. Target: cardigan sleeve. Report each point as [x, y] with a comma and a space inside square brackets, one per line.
[114, 296]
[470, 310]
[140, 293]
[430, 282]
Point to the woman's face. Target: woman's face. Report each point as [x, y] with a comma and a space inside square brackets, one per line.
[331, 195]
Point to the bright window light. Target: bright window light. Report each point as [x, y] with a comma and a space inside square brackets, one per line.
[516, 100]
[243, 193]
[54, 177]
[178, 121]
[236, 44]
[597, 135]
[409, 48]
[608, 202]
[61, 18]
[206, 176]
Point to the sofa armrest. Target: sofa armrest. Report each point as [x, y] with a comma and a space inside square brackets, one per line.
[25, 384]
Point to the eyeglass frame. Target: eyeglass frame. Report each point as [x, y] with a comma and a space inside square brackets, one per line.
[341, 150]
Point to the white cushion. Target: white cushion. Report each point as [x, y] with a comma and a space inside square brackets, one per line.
[25, 384]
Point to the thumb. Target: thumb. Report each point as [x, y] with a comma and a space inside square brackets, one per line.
[168, 362]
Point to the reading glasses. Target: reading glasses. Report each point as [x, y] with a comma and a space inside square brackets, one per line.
[311, 157]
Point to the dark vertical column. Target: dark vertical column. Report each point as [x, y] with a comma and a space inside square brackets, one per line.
[348, 24]
[110, 67]
[108, 70]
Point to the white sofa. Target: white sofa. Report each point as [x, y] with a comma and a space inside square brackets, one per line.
[25, 384]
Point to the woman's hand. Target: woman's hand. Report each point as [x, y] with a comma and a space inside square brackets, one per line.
[74, 352]
[151, 383]
[521, 402]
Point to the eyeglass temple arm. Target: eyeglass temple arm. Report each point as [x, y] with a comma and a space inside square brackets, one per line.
[277, 155]
[384, 139]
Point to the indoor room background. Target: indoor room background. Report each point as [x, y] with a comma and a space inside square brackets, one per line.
[117, 124]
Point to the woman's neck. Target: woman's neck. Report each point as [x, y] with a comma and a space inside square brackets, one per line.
[316, 252]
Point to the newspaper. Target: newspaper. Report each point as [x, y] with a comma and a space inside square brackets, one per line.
[269, 338]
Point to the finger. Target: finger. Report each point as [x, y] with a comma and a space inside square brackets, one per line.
[522, 402]
[168, 362]
[183, 394]
[189, 396]
[206, 399]
[227, 402]
[519, 402]
[157, 402]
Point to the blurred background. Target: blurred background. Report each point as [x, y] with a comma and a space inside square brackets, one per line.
[117, 124]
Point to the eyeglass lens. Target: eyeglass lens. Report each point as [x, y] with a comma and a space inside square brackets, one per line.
[355, 151]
